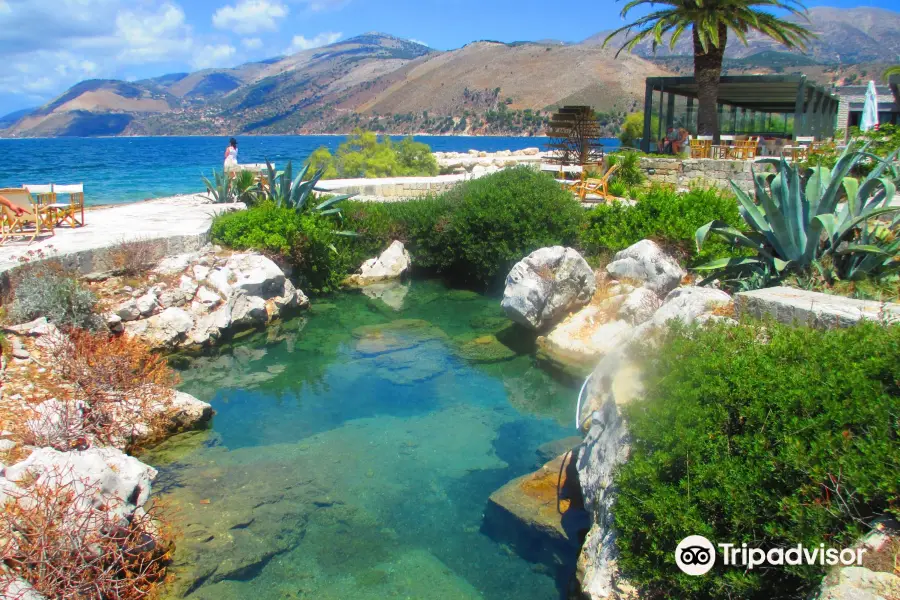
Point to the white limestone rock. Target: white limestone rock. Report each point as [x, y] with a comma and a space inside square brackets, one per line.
[639, 306]
[247, 311]
[55, 423]
[210, 327]
[256, 275]
[544, 286]
[165, 330]
[859, 583]
[200, 272]
[646, 262]
[38, 327]
[187, 412]
[119, 483]
[582, 339]
[128, 311]
[173, 265]
[393, 263]
[146, 304]
[207, 297]
[689, 303]
[114, 323]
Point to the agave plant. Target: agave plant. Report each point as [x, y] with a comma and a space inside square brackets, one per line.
[219, 190]
[797, 221]
[296, 193]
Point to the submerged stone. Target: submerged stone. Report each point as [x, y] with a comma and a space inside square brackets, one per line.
[485, 348]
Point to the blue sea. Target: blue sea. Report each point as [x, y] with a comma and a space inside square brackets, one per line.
[116, 170]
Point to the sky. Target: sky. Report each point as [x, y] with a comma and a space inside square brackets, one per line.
[48, 45]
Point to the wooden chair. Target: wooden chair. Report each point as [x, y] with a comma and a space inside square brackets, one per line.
[701, 148]
[70, 212]
[32, 221]
[598, 186]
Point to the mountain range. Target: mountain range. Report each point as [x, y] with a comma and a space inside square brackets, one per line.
[384, 83]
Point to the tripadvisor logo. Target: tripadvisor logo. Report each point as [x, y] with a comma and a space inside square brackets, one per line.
[696, 555]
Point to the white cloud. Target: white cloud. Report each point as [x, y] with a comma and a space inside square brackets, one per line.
[303, 43]
[48, 45]
[252, 43]
[153, 36]
[212, 56]
[420, 42]
[323, 5]
[250, 16]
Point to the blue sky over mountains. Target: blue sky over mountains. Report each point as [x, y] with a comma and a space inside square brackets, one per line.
[48, 45]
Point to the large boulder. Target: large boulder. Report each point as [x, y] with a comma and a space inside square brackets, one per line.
[859, 583]
[165, 330]
[546, 285]
[256, 275]
[646, 262]
[582, 339]
[247, 310]
[107, 478]
[689, 304]
[393, 263]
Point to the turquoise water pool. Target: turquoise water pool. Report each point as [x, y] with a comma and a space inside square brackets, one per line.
[354, 450]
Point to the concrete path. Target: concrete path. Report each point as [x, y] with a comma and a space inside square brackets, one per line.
[179, 223]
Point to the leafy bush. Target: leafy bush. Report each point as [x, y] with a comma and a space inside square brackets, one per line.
[668, 217]
[321, 266]
[46, 289]
[421, 224]
[772, 436]
[629, 172]
[266, 227]
[500, 218]
[365, 155]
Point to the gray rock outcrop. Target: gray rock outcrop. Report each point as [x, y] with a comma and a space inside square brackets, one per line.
[646, 262]
[546, 285]
[393, 263]
[214, 296]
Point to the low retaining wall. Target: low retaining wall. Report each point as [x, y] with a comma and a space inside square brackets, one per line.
[793, 306]
[397, 188]
[684, 173]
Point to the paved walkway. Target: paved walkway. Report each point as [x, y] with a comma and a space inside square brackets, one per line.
[171, 220]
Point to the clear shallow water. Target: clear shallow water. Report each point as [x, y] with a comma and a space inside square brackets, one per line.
[354, 450]
[127, 169]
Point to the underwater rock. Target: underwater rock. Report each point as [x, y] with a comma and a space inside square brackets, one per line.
[392, 293]
[646, 262]
[484, 349]
[550, 450]
[541, 513]
[393, 263]
[545, 285]
[400, 334]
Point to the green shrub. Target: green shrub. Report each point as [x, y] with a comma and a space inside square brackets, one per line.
[500, 218]
[772, 436]
[266, 227]
[320, 265]
[363, 154]
[421, 224]
[629, 172]
[668, 217]
[46, 289]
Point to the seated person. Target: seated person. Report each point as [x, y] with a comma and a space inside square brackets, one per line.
[666, 143]
[681, 141]
[17, 210]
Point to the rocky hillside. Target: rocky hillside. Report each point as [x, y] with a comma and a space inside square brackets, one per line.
[384, 83]
[376, 81]
[856, 35]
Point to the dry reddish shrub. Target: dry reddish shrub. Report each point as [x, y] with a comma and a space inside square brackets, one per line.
[134, 257]
[58, 540]
[122, 392]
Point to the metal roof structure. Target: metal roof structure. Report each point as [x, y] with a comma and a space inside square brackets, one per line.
[813, 107]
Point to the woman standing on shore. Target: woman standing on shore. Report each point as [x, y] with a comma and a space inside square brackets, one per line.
[231, 154]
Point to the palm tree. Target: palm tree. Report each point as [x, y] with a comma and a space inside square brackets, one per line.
[710, 22]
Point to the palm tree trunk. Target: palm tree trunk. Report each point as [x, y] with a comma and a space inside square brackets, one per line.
[707, 71]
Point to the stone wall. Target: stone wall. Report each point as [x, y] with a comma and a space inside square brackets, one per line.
[802, 307]
[393, 188]
[687, 172]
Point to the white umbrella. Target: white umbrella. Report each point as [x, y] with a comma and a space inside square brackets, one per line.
[870, 109]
